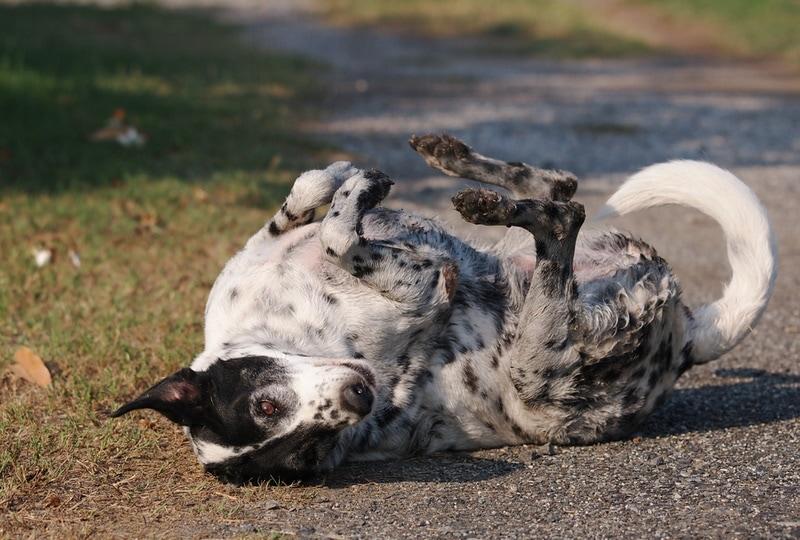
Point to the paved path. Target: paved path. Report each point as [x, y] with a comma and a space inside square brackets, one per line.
[721, 458]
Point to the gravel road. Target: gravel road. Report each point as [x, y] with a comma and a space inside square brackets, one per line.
[721, 457]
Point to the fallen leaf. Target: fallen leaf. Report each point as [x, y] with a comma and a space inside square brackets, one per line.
[131, 137]
[200, 195]
[117, 130]
[29, 366]
[74, 258]
[42, 256]
[108, 133]
[148, 222]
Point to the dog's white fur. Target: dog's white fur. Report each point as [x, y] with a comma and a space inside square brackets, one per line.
[751, 243]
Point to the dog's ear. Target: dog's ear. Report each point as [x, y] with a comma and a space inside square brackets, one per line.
[179, 397]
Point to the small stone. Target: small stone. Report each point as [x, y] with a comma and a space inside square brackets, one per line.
[548, 449]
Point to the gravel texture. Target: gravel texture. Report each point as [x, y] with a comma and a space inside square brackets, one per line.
[721, 457]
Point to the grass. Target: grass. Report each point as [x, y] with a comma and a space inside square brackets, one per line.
[582, 28]
[549, 28]
[762, 28]
[152, 226]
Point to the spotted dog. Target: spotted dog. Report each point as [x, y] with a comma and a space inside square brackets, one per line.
[377, 334]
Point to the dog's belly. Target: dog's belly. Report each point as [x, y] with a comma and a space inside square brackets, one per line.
[285, 293]
[273, 292]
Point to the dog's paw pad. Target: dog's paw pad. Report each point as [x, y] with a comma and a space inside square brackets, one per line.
[483, 206]
[439, 147]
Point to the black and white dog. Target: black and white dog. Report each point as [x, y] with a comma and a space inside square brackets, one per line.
[377, 334]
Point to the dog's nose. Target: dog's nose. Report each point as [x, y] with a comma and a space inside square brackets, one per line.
[357, 398]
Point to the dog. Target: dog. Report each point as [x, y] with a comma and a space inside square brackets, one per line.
[376, 334]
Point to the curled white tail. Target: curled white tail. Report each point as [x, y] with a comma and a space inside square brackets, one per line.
[752, 249]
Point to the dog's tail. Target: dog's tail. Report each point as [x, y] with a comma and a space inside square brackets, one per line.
[752, 250]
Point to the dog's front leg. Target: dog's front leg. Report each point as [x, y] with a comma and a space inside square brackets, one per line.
[311, 190]
[399, 271]
[454, 158]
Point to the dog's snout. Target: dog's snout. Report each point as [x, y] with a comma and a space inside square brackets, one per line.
[357, 398]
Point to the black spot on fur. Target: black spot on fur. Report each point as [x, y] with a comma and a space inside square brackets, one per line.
[518, 431]
[362, 271]
[470, 378]
[403, 360]
[330, 252]
[687, 360]
[287, 213]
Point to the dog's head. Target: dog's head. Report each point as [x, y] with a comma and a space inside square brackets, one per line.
[260, 417]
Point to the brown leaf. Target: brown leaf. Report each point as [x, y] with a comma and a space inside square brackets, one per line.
[148, 222]
[29, 366]
[108, 133]
[200, 195]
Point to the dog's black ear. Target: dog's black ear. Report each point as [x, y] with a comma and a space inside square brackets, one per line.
[179, 397]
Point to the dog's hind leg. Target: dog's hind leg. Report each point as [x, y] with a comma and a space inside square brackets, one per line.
[543, 360]
[454, 158]
[398, 270]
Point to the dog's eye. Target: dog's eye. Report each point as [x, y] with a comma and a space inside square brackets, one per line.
[268, 408]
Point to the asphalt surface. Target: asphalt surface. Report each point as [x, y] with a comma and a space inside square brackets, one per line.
[721, 457]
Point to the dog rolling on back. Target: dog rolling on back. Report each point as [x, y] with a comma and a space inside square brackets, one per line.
[377, 334]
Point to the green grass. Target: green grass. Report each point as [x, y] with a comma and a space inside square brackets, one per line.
[550, 28]
[207, 102]
[760, 28]
[152, 226]
[580, 28]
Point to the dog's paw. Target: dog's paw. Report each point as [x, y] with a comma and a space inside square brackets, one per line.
[440, 151]
[362, 191]
[484, 207]
[315, 188]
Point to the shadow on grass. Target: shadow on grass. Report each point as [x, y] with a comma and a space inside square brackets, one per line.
[207, 102]
[766, 398]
